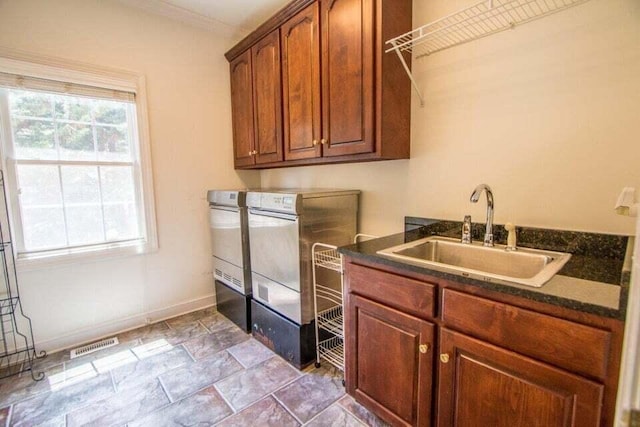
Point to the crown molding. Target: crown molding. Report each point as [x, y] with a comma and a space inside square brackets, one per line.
[188, 17]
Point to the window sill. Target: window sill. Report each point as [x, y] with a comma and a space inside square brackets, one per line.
[67, 257]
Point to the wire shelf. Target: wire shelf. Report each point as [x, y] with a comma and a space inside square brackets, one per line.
[17, 348]
[330, 259]
[332, 350]
[8, 305]
[480, 20]
[329, 294]
[331, 320]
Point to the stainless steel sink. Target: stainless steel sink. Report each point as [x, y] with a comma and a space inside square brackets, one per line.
[529, 267]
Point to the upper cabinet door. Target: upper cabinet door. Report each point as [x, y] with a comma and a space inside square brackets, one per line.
[267, 98]
[347, 76]
[301, 84]
[242, 110]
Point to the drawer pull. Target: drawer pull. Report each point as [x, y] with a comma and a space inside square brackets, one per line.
[444, 358]
[424, 348]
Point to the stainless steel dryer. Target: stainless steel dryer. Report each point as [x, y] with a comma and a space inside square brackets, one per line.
[231, 259]
[283, 225]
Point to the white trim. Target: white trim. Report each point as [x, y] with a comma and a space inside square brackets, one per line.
[47, 67]
[118, 326]
[629, 384]
[24, 63]
[186, 16]
[91, 253]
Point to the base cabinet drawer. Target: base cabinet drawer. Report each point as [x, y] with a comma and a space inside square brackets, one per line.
[408, 295]
[484, 385]
[569, 345]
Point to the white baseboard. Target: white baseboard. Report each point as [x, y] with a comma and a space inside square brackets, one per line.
[113, 327]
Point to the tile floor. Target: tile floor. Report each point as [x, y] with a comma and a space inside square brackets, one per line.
[197, 369]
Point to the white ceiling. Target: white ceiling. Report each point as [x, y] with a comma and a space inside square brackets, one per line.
[235, 18]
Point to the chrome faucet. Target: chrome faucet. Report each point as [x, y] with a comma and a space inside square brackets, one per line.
[488, 234]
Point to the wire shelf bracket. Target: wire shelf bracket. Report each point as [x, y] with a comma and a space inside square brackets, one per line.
[472, 23]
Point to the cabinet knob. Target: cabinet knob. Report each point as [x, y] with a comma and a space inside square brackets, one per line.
[323, 141]
[444, 358]
[315, 142]
[253, 153]
[423, 348]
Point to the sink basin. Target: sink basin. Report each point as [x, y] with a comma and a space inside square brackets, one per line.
[530, 267]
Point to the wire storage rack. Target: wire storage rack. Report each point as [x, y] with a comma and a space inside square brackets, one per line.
[17, 348]
[474, 22]
[328, 302]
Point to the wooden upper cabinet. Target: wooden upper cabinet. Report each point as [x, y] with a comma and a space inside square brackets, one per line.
[347, 76]
[242, 109]
[481, 384]
[342, 98]
[267, 98]
[301, 85]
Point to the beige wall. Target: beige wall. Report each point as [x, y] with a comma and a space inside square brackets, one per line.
[190, 122]
[548, 115]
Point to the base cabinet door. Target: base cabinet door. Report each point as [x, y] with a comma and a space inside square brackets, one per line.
[389, 362]
[484, 385]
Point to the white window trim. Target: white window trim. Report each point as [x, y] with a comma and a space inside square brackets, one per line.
[22, 63]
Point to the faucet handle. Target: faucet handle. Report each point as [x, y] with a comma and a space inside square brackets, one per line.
[511, 237]
[466, 229]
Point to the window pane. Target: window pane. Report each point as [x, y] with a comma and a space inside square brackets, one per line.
[41, 207]
[39, 185]
[73, 108]
[118, 195]
[31, 104]
[80, 185]
[43, 227]
[76, 142]
[82, 204]
[120, 221]
[110, 112]
[113, 144]
[34, 139]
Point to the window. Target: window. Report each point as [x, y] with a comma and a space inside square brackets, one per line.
[73, 163]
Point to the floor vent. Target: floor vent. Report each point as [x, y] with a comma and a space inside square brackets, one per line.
[90, 348]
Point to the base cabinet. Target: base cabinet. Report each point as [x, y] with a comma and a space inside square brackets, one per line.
[391, 359]
[497, 361]
[484, 385]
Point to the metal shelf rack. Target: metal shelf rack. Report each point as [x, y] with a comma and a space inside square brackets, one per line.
[17, 349]
[328, 303]
[477, 21]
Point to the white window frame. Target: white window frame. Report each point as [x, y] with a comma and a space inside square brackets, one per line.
[21, 63]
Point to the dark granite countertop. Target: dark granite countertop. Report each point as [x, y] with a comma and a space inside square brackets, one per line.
[593, 281]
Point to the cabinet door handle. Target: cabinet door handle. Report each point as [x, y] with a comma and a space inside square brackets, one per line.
[253, 153]
[315, 142]
[323, 141]
[423, 348]
[444, 358]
